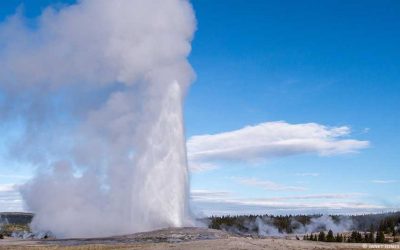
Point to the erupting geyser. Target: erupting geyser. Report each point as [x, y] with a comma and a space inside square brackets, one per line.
[94, 92]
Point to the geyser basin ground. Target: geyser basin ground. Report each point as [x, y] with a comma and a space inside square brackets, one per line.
[178, 238]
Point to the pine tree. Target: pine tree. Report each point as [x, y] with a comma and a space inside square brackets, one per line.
[380, 237]
[371, 238]
[359, 238]
[356, 237]
[313, 237]
[353, 237]
[321, 236]
[372, 229]
[367, 238]
[339, 238]
[330, 237]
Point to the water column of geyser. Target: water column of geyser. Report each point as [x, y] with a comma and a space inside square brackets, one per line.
[98, 87]
[162, 188]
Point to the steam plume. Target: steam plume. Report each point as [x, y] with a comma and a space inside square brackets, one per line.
[265, 225]
[94, 94]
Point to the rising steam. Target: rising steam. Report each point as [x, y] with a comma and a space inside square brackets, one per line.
[93, 93]
[263, 226]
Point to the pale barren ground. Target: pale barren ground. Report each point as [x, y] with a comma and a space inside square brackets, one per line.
[178, 238]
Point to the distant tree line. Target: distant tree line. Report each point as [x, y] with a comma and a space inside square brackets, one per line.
[14, 222]
[284, 224]
[355, 237]
[389, 225]
[326, 238]
[386, 222]
[373, 225]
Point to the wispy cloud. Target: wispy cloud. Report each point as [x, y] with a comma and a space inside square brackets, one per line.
[272, 139]
[268, 185]
[320, 205]
[225, 195]
[319, 197]
[383, 181]
[8, 187]
[12, 176]
[221, 202]
[308, 174]
[10, 199]
[201, 166]
[200, 194]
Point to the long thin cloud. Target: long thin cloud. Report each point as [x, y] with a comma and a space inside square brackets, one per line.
[268, 185]
[383, 181]
[308, 174]
[273, 139]
[222, 202]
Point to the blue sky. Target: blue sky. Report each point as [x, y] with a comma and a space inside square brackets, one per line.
[331, 63]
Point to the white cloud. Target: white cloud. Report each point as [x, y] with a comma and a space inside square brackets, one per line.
[222, 202]
[201, 166]
[273, 139]
[321, 205]
[7, 187]
[10, 198]
[365, 130]
[319, 196]
[201, 194]
[13, 176]
[383, 181]
[223, 196]
[308, 174]
[268, 185]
